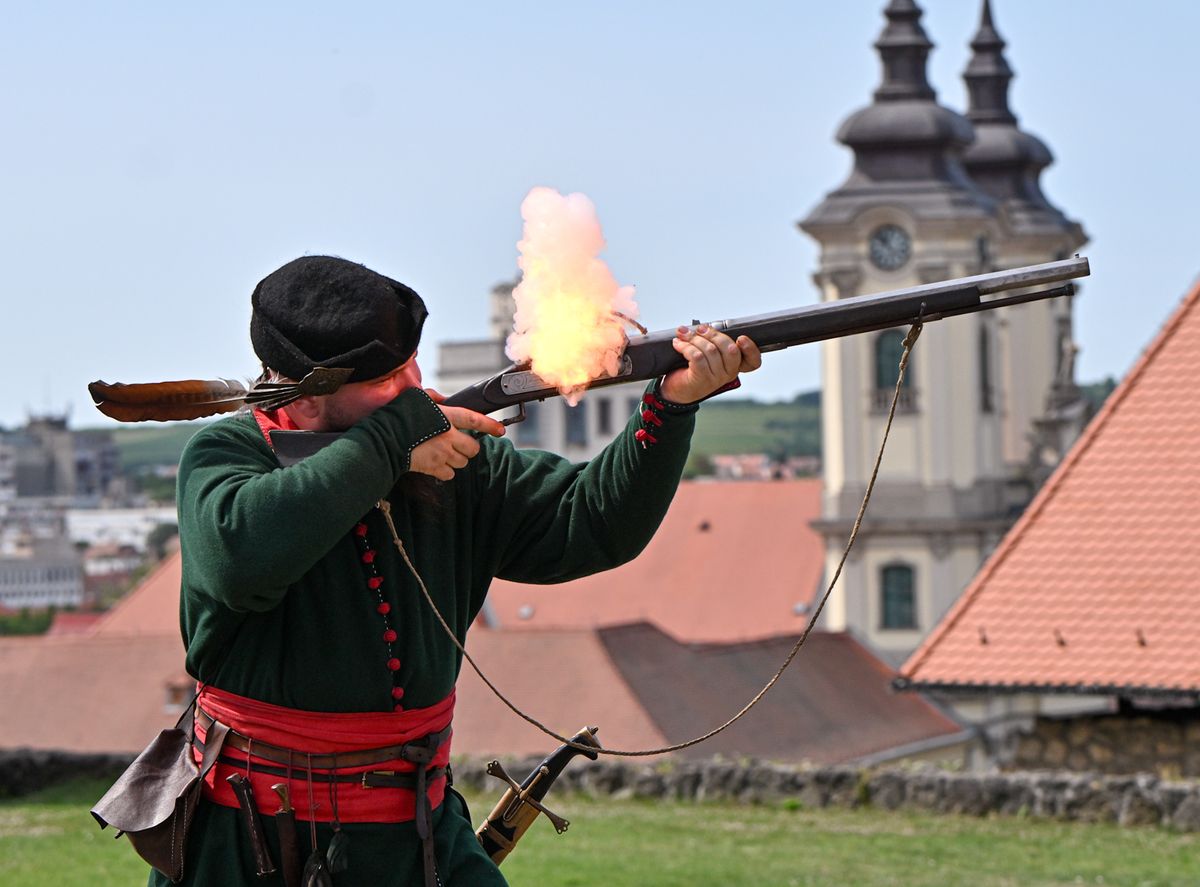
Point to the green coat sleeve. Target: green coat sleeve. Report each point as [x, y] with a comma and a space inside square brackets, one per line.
[253, 528]
[551, 520]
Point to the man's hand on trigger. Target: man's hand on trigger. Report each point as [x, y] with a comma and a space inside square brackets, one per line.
[713, 361]
[440, 456]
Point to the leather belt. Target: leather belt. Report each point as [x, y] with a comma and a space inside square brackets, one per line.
[369, 779]
[419, 751]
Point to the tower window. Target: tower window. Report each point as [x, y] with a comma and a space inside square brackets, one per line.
[986, 399]
[576, 423]
[889, 347]
[899, 603]
[604, 416]
[528, 433]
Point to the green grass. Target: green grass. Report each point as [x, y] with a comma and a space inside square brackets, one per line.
[49, 839]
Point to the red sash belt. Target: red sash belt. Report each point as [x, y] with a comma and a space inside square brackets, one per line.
[304, 733]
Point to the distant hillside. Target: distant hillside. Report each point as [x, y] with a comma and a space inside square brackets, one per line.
[145, 446]
[781, 429]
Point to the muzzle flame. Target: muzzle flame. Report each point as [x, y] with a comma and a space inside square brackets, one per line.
[567, 324]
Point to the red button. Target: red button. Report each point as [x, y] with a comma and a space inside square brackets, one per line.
[360, 530]
[397, 707]
[384, 608]
[393, 664]
[389, 635]
[375, 582]
[397, 692]
[368, 556]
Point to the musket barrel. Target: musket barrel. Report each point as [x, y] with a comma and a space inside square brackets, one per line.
[1034, 275]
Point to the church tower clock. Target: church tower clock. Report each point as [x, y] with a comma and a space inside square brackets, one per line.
[924, 203]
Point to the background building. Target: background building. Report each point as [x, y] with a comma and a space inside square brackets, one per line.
[934, 195]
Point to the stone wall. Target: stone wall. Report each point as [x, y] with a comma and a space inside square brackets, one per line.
[1130, 800]
[25, 770]
[1126, 800]
[1166, 743]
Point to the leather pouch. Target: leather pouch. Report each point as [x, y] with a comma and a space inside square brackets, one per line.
[154, 800]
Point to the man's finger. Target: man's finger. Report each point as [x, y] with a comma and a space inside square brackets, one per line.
[728, 351]
[710, 353]
[469, 420]
[751, 357]
[465, 445]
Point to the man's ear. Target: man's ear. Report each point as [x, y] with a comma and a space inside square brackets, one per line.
[305, 412]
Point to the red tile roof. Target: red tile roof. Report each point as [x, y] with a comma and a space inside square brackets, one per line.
[73, 623]
[730, 562]
[1098, 585]
[563, 678]
[833, 705]
[86, 693]
[152, 607]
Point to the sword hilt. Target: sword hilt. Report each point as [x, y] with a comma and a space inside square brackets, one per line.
[522, 796]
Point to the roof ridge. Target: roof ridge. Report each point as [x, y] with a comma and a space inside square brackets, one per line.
[1093, 430]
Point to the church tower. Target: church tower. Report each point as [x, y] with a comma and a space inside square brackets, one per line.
[926, 200]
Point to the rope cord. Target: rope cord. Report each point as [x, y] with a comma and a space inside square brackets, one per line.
[385, 507]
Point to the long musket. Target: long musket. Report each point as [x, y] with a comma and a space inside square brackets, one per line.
[650, 356]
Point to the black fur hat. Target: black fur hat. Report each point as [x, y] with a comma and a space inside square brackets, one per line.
[322, 311]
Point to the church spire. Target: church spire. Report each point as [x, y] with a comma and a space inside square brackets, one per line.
[988, 75]
[904, 49]
[1004, 160]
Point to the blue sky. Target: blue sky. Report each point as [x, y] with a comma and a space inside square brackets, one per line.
[157, 160]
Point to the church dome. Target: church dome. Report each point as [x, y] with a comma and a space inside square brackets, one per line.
[907, 147]
[907, 121]
[999, 143]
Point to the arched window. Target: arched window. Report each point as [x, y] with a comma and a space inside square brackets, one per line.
[899, 597]
[889, 348]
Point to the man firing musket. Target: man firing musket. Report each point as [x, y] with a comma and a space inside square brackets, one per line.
[314, 524]
[304, 628]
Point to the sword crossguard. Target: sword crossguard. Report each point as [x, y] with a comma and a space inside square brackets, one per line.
[521, 796]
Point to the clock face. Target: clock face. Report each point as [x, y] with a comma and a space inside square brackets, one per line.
[890, 247]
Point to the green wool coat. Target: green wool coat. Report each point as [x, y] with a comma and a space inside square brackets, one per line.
[275, 604]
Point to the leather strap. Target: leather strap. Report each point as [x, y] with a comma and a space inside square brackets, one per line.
[370, 779]
[419, 751]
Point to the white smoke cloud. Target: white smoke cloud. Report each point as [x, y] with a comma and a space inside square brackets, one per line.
[566, 323]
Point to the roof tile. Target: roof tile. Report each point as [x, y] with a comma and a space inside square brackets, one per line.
[1109, 548]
